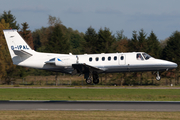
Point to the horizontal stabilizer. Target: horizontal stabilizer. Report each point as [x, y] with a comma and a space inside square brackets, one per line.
[22, 53]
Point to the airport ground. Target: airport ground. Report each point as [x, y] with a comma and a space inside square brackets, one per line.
[42, 91]
[91, 93]
[87, 115]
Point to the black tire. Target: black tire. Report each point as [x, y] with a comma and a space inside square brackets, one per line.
[88, 81]
[96, 81]
[95, 78]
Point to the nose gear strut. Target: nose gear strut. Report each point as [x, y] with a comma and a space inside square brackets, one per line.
[158, 77]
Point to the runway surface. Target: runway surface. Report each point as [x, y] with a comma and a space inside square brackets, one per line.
[91, 105]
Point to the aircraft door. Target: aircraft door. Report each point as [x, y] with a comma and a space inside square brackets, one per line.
[122, 59]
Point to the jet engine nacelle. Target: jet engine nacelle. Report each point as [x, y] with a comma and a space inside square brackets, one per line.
[65, 61]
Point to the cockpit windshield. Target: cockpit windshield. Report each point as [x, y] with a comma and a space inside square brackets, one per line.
[146, 56]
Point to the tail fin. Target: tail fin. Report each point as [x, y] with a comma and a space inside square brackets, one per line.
[18, 48]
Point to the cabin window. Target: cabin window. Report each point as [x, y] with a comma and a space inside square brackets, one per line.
[139, 57]
[122, 57]
[97, 59]
[115, 57]
[109, 58]
[103, 58]
[90, 59]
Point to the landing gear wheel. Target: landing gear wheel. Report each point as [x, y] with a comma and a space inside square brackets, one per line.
[95, 78]
[89, 80]
[96, 81]
[158, 77]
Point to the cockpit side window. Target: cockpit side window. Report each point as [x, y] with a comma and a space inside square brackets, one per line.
[146, 56]
[139, 57]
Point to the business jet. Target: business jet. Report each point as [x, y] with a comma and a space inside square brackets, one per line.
[88, 64]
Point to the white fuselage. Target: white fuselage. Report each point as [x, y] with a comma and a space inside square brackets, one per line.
[111, 62]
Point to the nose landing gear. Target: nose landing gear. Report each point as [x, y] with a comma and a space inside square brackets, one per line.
[158, 77]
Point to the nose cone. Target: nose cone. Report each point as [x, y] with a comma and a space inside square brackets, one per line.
[171, 65]
[164, 64]
[174, 65]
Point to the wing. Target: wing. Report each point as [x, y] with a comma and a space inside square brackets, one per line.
[84, 68]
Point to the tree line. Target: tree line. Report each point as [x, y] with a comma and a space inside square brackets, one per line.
[57, 38]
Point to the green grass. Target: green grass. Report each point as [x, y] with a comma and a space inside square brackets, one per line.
[90, 94]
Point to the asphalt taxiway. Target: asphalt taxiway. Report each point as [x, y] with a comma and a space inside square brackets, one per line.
[91, 105]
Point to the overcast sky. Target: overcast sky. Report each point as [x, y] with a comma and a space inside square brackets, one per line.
[160, 16]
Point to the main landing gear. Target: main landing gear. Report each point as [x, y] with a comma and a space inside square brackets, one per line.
[93, 76]
[89, 80]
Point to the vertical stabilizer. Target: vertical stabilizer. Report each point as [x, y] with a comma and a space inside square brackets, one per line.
[17, 46]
